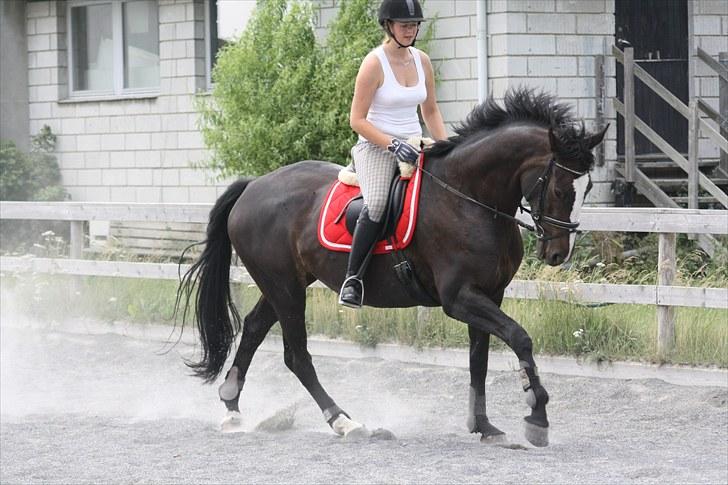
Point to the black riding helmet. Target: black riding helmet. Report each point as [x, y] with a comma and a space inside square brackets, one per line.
[400, 11]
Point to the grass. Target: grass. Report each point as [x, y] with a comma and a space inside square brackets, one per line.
[615, 332]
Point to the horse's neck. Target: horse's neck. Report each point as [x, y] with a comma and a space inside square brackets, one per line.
[490, 179]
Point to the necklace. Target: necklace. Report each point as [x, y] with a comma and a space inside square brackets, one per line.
[401, 62]
[407, 62]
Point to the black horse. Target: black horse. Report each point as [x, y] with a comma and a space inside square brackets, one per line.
[465, 252]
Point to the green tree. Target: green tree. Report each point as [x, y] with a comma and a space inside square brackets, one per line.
[33, 176]
[259, 115]
[278, 96]
[352, 34]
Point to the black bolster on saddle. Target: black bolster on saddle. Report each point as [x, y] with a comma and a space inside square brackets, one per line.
[395, 207]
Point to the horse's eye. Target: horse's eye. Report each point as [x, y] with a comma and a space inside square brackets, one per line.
[559, 193]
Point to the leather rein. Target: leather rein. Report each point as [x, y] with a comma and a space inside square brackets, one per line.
[539, 219]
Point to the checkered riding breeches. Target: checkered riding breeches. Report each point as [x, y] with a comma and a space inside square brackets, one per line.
[375, 168]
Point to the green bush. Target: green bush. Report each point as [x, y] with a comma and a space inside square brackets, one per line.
[30, 176]
[33, 176]
[260, 116]
[352, 34]
[279, 96]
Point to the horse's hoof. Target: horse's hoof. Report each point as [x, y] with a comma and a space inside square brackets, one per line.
[536, 435]
[232, 423]
[382, 434]
[358, 434]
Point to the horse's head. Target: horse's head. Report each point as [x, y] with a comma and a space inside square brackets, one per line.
[556, 188]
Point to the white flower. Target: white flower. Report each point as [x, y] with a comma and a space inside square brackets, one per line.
[600, 264]
[112, 299]
[579, 333]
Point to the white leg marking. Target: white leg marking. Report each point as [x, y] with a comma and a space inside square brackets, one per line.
[232, 423]
[343, 425]
[580, 185]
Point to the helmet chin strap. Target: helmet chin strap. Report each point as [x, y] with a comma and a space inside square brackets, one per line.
[401, 45]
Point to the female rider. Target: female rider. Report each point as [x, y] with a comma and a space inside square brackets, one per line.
[392, 81]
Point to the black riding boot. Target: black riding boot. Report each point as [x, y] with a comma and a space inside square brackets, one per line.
[365, 237]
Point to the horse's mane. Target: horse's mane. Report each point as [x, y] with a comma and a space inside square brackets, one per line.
[524, 105]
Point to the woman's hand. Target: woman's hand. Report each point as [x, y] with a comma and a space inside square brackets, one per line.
[404, 151]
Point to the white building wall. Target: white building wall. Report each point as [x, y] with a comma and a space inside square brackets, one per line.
[147, 150]
[710, 24]
[125, 150]
[552, 45]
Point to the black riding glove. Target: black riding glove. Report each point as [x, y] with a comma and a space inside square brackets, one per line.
[404, 151]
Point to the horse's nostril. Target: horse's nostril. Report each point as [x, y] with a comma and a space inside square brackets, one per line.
[556, 259]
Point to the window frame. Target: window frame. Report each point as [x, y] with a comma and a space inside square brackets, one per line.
[117, 31]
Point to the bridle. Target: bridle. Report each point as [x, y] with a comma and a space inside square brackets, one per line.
[539, 219]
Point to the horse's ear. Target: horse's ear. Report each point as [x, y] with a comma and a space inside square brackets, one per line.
[596, 138]
[554, 140]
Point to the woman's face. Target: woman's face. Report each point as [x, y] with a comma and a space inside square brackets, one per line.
[405, 32]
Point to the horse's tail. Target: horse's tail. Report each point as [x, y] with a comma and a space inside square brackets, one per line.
[216, 317]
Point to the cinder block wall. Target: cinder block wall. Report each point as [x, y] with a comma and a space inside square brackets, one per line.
[125, 150]
[710, 25]
[551, 45]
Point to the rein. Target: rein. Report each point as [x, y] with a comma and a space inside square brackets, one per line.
[538, 218]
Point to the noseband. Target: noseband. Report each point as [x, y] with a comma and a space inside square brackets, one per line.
[538, 218]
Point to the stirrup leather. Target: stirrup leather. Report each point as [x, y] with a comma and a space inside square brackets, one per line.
[356, 280]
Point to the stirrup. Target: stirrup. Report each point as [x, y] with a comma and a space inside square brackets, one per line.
[344, 285]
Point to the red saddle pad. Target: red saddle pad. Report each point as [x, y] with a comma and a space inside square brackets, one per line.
[332, 232]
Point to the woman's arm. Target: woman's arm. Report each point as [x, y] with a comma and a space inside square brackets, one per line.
[368, 80]
[430, 111]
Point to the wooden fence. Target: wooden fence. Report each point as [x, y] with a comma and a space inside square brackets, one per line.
[666, 222]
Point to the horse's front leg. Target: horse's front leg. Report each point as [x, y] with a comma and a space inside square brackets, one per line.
[477, 418]
[473, 307]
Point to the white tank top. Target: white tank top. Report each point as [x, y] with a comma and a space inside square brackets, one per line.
[394, 107]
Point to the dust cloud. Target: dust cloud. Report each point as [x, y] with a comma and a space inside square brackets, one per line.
[119, 369]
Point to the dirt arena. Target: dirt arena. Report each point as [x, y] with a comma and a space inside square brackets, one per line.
[105, 408]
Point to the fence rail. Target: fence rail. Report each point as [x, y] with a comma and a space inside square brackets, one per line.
[666, 222]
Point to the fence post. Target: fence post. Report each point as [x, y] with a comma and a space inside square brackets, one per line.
[693, 157]
[665, 277]
[77, 236]
[629, 155]
[723, 108]
[601, 97]
[423, 318]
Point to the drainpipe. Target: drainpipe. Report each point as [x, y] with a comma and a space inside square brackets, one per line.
[482, 52]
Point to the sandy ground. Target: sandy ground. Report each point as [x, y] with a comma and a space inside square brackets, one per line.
[79, 408]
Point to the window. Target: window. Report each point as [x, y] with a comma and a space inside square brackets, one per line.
[225, 20]
[114, 47]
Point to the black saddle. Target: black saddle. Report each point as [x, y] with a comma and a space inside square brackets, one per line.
[395, 205]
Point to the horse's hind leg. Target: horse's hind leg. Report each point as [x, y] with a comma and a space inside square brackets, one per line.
[298, 360]
[477, 418]
[256, 325]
